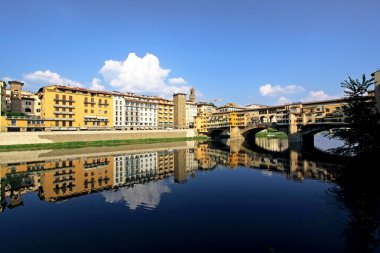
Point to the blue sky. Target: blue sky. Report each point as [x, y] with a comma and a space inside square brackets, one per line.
[243, 51]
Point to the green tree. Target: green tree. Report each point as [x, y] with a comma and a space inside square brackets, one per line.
[362, 135]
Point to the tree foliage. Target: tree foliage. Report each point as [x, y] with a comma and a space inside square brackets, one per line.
[362, 134]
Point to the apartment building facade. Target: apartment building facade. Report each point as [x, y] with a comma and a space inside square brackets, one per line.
[73, 108]
[133, 112]
[165, 114]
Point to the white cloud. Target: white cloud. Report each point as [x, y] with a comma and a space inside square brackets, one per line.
[177, 80]
[7, 79]
[317, 95]
[141, 75]
[147, 195]
[278, 90]
[96, 84]
[283, 100]
[41, 78]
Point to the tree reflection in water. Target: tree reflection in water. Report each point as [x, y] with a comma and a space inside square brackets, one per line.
[358, 187]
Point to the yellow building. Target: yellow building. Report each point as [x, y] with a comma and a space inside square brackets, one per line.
[164, 114]
[73, 108]
[201, 122]
[25, 124]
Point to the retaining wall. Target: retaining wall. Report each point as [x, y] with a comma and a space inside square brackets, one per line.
[56, 137]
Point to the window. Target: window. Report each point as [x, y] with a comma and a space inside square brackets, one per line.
[85, 111]
[63, 123]
[71, 123]
[92, 111]
[57, 123]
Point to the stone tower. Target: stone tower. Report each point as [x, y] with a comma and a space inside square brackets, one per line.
[192, 95]
[16, 100]
[179, 101]
[3, 105]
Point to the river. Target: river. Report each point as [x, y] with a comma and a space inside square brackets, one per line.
[181, 197]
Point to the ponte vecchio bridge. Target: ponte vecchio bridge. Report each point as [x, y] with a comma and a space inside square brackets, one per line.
[300, 121]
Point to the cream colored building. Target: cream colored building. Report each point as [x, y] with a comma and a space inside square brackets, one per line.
[134, 112]
[229, 107]
[204, 107]
[191, 113]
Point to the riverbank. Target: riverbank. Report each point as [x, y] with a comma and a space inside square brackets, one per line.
[83, 144]
[271, 134]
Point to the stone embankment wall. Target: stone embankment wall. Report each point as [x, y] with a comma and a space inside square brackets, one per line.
[55, 137]
[64, 154]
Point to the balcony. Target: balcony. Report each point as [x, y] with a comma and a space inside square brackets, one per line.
[64, 100]
[64, 119]
[88, 102]
[64, 106]
[67, 113]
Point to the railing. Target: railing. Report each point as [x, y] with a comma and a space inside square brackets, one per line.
[69, 113]
[64, 100]
[64, 106]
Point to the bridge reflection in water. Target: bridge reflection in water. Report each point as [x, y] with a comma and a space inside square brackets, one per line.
[275, 145]
[127, 175]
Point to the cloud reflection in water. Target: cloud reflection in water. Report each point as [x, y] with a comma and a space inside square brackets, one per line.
[146, 195]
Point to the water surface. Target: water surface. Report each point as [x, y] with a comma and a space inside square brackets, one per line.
[194, 197]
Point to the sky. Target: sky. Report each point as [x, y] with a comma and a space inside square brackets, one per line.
[244, 51]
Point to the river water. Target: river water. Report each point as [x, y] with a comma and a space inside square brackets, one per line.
[178, 197]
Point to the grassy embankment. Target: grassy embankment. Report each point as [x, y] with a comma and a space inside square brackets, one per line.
[81, 144]
[272, 134]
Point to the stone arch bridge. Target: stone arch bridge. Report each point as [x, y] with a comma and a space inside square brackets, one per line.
[297, 133]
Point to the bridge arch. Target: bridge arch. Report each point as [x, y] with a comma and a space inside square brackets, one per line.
[263, 119]
[308, 132]
[272, 119]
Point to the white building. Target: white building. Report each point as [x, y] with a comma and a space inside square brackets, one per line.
[191, 113]
[133, 112]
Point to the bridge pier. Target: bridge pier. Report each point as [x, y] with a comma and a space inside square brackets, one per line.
[293, 132]
[235, 133]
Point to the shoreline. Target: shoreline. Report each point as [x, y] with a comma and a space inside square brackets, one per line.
[97, 143]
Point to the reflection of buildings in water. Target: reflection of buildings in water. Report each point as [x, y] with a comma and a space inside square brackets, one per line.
[294, 166]
[56, 180]
[180, 175]
[275, 145]
[135, 168]
[147, 195]
[191, 162]
[65, 179]
[201, 155]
